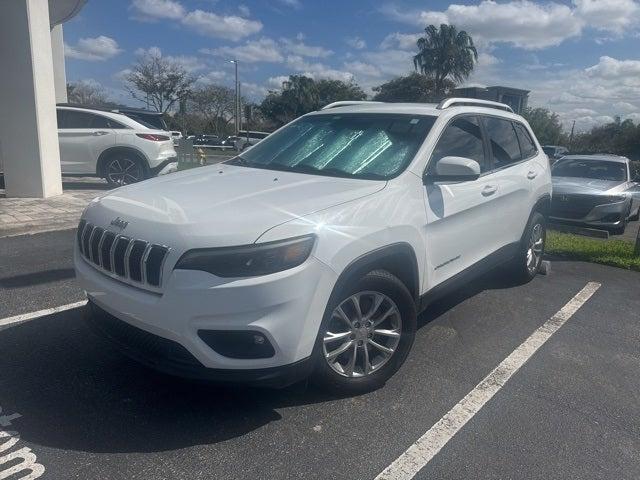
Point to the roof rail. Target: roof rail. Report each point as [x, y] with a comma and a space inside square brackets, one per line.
[472, 102]
[346, 103]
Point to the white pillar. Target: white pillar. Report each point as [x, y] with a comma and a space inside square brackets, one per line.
[28, 128]
[59, 74]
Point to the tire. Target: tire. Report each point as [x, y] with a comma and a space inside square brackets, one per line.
[526, 263]
[636, 216]
[619, 230]
[124, 168]
[368, 289]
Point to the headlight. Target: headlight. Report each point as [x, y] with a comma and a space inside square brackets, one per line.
[249, 260]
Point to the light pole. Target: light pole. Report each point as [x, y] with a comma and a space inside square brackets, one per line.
[237, 108]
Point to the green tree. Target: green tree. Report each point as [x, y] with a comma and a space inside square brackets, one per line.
[87, 93]
[300, 95]
[215, 104]
[546, 125]
[445, 53]
[412, 88]
[159, 82]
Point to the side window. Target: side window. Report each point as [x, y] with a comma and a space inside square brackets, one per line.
[461, 138]
[103, 122]
[75, 119]
[527, 147]
[503, 141]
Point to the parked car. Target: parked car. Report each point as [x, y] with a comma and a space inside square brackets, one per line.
[249, 138]
[147, 118]
[111, 145]
[301, 257]
[554, 152]
[595, 191]
[206, 140]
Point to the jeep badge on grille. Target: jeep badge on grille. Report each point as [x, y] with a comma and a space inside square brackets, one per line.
[118, 222]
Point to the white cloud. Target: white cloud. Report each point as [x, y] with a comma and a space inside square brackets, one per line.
[291, 3]
[152, 10]
[96, 49]
[362, 68]
[262, 50]
[244, 10]
[526, 24]
[610, 15]
[214, 76]
[391, 62]
[405, 41]
[230, 27]
[300, 48]
[317, 70]
[356, 42]
[276, 82]
[612, 68]
[253, 90]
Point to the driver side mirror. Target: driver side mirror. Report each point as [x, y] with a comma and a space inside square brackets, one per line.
[454, 169]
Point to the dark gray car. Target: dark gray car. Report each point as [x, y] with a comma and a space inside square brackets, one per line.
[595, 191]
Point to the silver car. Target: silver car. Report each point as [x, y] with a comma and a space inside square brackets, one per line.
[595, 191]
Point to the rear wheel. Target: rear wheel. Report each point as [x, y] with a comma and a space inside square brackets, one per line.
[124, 169]
[527, 262]
[366, 335]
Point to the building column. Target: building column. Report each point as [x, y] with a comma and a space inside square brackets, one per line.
[29, 150]
[59, 73]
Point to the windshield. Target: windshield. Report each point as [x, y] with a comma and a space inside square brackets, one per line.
[595, 169]
[374, 146]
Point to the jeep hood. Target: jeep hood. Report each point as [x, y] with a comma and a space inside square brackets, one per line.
[220, 205]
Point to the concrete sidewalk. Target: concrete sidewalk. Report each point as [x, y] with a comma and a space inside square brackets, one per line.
[34, 215]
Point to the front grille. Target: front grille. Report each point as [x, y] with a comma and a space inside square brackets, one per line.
[128, 258]
[574, 206]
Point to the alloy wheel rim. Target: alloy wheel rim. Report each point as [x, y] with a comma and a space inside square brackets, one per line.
[536, 248]
[123, 171]
[362, 335]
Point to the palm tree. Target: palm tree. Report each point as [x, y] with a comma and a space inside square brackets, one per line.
[445, 53]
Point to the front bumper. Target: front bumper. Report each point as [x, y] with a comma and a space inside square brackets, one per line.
[609, 215]
[286, 307]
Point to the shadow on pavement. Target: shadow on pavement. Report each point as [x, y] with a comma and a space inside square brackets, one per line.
[37, 278]
[76, 392]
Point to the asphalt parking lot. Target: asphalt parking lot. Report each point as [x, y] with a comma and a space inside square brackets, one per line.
[571, 411]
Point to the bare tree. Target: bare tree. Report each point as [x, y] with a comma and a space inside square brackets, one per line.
[87, 93]
[215, 104]
[158, 82]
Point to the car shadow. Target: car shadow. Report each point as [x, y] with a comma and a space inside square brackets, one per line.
[37, 278]
[74, 391]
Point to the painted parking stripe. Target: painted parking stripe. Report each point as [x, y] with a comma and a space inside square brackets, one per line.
[25, 317]
[407, 465]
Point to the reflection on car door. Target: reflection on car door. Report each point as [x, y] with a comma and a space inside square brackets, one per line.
[461, 216]
[83, 137]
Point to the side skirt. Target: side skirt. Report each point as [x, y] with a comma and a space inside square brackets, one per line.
[497, 258]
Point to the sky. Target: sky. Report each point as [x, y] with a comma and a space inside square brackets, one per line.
[579, 58]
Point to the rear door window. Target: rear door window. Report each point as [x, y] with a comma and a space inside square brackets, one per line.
[505, 148]
[76, 119]
[527, 147]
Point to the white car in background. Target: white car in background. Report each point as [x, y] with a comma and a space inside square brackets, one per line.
[246, 139]
[112, 146]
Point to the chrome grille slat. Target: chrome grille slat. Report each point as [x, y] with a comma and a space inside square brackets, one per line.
[93, 243]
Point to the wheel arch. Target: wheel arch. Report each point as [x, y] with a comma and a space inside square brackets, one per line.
[109, 152]
[399, 259]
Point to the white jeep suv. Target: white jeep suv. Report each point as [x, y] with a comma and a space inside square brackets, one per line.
[313, 252]
[111, 145]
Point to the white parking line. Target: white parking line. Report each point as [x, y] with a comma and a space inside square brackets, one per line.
[40, 313]
[407, 465]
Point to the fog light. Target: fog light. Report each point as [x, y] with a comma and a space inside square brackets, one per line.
[238, 343]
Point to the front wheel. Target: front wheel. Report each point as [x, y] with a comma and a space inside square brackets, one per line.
[527, 262]
[124, 170]
[366, 335]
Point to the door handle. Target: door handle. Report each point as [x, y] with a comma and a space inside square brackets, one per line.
[100, 133]
[489, 190]
[531, 175]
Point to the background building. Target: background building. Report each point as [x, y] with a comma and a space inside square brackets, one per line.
[516, 98]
